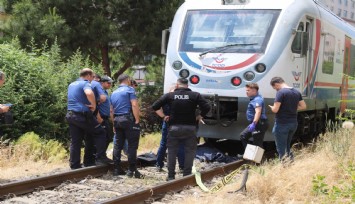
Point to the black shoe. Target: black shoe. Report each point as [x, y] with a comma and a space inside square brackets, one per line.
[75, 167]
[103, 161]
[118, 171]
[136, 174]
[90, 164]
[170, 178]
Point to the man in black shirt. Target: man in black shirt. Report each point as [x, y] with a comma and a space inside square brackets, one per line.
[182, 120]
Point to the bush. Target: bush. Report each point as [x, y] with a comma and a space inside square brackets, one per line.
[36, 83]
[149, 119]
[31, 147]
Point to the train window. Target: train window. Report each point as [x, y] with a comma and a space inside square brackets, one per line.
[300, 27]
[248, 30]
[352, 61]
[328, 54]
[300, 43]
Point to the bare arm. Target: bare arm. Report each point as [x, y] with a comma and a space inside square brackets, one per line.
[102, 98]
[135, 109]
[161, 114]
[257, 115]
[4, 109]
[301, 105]
[276, 107]
[112, 118]
[91, 97]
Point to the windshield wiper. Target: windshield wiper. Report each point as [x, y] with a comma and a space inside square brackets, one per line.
[226, 47]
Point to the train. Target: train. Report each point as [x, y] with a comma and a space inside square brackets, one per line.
[221, 45]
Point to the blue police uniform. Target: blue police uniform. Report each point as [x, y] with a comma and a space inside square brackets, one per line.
[83, 126]
[124, 124]
[97, 89]
[262, 125]
[104, 110]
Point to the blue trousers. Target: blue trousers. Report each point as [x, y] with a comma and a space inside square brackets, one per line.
[283, 134]
[162, 149]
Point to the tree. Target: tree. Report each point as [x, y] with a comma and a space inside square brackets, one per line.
[93, 26]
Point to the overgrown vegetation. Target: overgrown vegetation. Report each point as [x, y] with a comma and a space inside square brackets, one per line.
[321, 173]
[30, 147]
[36, 83]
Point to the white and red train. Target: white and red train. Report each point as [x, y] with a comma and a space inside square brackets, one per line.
[219, 46]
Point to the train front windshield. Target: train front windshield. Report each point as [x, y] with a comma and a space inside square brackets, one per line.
[241, 31]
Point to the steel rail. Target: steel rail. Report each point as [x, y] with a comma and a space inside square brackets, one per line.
[174, 185]
[46, 182]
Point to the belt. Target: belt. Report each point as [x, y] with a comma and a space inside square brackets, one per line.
[77, 112]
[126, 114]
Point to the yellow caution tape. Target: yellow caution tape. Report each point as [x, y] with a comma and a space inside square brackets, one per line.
[225, 180]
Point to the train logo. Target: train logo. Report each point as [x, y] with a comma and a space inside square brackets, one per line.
[296, 75]
[219, 59]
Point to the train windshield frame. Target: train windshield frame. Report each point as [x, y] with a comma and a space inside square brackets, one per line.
[238, 31]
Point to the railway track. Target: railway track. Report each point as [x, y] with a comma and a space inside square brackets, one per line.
[108, 189]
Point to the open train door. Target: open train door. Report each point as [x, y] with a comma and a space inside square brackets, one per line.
[346, 70]
[305, 56]
[306, 44]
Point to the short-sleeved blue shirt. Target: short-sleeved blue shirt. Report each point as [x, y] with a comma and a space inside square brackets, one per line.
[97, 89]
[289, 99]
[256, 101]
[121, 99]
[77, 99]
[104, 108]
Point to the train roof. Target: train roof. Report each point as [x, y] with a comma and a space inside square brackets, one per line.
[236, 4]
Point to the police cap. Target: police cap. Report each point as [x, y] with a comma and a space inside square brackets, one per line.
[106, 79]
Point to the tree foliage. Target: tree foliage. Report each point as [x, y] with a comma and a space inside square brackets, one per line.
[36, 83]
[133, 27]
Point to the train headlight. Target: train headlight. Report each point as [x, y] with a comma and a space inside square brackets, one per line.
[236, 81]
[177, 65]
[184, 73]
[260, 67]
[194, 79]
[249, 76]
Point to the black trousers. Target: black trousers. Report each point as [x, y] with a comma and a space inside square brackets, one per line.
[181, 135]
[85, 127]
[109, 135]
[126, 129]
[258, 134]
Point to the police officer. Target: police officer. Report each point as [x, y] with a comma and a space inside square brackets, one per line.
[82, 123]
[3, 108]
[100, 95]
[256, 116]
[126, 122]
[104, 108]
[183, 104]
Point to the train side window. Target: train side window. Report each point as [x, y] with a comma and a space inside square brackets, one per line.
[300, 43]
[352, 60]
[328, 54]
[300, 27]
